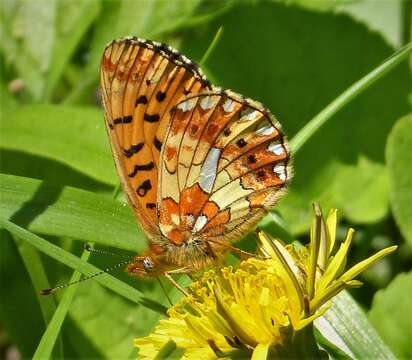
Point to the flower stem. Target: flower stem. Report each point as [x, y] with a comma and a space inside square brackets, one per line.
[212, 46]
[354, 90]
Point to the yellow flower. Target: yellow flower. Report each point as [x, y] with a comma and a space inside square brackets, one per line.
[262, 308]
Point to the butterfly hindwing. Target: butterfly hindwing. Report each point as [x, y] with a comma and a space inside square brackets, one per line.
[224, 162]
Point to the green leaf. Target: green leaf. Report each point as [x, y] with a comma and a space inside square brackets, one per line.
[399, 159]
[392, 316]
[40, 38]
[74, 262]
[153, 20]
[18, 300]
[29, 35]
[69, 212]
[296, 79]
[74, 136]
[53, 172]
[382, 16]
[96, 308]
[37, 273]
[72, 21]
[346, 326]
[137, 18]
[351, 197]
[48, 340]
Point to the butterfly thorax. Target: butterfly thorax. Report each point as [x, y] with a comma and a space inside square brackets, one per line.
[192, 255]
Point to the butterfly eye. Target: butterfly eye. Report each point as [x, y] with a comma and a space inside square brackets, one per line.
[148, 264]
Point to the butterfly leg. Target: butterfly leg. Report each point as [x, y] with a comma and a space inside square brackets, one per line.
[175, 284]
[243, 254]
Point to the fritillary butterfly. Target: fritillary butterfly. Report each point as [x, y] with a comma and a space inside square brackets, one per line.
[200, 165]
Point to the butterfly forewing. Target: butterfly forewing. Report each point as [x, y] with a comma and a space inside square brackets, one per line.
[141, 82]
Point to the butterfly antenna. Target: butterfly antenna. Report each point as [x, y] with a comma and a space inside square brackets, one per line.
[91, 249]
[107, 270]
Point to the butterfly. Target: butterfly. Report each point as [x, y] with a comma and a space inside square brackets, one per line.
[200, 165]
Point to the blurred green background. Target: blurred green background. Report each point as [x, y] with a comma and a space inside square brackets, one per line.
[294, 56]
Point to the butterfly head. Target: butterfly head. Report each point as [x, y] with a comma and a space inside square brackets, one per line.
[148, 264]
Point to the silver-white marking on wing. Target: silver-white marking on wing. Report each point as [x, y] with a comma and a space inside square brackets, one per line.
[229, 105]
[280, 171]
[187, 105]
[201, 221]
[208, 173]
[265, 131]
[208, 102]
[276, 148]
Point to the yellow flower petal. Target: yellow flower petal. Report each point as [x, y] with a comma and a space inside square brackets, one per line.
[264, 305]
[331, 222]
[324, 244]
[335, 265]
[292, 285]
[358, 268]
[260, 352]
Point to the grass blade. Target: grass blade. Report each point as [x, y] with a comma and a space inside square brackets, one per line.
[76, 263]
[51, 334]
[357, 88]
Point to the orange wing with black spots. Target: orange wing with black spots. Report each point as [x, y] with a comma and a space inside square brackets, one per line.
[141, 81]
[199, 165]
[224, 162]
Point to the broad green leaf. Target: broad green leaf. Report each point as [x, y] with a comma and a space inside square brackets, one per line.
[95, 308]
[399, 159]
[391, 313]
[382, 16]
[347, 327]
[281, 65]
[53, 172]
[74, 136]
[352, 197]
[69, 212]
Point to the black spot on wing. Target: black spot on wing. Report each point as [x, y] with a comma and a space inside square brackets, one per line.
[124, 120]
[160, 96]
[133, 149]
[151, 118]
[241, 143]
[157, 143]
[144, 167]
[144, 187]
[142, 99]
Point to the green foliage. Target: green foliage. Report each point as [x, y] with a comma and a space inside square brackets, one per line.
[58, 175]
[391, 315]
[399, 159]
[267, 63]
[64, 211]
[82, 145]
